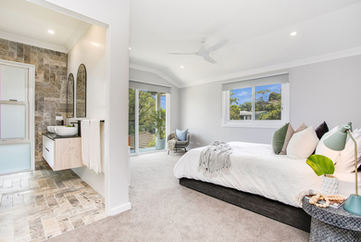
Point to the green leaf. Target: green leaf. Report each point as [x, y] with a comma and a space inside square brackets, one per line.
[321, 165]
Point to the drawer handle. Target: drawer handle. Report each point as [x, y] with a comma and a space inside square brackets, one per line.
[47, 149]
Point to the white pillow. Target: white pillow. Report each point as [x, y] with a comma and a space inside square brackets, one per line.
[302, 144]
[347, 156]
[323, 150]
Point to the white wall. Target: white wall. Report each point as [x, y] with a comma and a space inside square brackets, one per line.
[115, 14]
[327, 91]
[90, 51]
[153, 78]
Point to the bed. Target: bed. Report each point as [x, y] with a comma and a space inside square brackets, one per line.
[256, 171]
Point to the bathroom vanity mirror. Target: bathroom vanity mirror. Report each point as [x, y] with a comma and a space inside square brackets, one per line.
[81, 92]
[70, 96]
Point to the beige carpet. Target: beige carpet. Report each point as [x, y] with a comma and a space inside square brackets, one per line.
[165, 211]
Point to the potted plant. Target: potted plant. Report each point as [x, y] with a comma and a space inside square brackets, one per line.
[324, 166]
[159, 118]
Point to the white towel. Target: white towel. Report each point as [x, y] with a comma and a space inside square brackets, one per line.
[91, 145]
[84, 127]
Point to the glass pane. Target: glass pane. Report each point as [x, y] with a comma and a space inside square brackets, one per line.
[131, 121]
[12, 121]
[12, 83]
[240, 106]
[268, 102]
[147, 124]
[160, 121]
[14, 157]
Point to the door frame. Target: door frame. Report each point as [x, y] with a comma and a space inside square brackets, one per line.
[30, 129]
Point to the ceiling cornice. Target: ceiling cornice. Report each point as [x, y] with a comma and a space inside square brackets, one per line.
[68, 12]
[32, 42]
[280, 67]
[156, 71]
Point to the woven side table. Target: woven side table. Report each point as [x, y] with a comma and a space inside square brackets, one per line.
[330, 224]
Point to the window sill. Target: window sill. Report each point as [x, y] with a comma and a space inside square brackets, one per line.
[253, 124]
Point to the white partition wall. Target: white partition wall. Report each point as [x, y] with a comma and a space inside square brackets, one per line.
[16, 117]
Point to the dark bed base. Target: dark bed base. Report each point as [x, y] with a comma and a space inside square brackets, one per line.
[281, 212]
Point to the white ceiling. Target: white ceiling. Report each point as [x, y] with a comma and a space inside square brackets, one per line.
[26, 22]
[257, 32]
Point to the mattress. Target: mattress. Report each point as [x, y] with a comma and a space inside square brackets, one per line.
[256, 169]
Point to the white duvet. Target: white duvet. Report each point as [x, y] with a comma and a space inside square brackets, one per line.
[256, 169]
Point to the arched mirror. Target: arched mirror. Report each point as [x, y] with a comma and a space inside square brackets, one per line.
[70, 96]
[81, 92]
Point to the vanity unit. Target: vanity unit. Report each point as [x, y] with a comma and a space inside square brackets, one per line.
[62, 152]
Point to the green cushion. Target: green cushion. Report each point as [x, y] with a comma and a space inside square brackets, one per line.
[279, 138]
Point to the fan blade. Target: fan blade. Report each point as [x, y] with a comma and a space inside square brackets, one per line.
[182, 53]
[216, 46]
[209, 59]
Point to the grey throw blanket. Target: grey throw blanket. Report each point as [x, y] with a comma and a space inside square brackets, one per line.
[215, 157]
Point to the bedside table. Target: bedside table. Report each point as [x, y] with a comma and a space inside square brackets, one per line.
[331, 224]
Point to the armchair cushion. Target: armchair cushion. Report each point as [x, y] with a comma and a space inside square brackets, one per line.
[181, 134]
[181, 143]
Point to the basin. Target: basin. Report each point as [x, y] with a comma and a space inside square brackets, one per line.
[66, 131]
[51, 129]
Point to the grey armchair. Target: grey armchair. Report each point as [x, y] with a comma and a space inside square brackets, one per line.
[175, 145]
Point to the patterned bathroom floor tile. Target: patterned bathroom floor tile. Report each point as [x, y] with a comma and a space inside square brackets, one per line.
[35, 206]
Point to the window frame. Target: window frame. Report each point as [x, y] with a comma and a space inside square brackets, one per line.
[285, 114]
[29, 104]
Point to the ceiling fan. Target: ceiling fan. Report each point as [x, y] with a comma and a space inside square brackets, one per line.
[204, 51]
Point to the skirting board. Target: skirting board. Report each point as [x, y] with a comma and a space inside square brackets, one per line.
[278, 211]
[119, 209]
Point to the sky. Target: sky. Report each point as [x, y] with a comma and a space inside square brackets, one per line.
[163, 101]
[245, 94]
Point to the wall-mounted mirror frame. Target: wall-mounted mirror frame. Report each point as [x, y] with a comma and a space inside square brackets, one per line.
[70, 88]
[81, 92]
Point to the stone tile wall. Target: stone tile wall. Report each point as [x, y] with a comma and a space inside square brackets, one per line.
[50, 84]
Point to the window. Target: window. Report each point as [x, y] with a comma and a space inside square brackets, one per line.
[16, 117]
[256, 103]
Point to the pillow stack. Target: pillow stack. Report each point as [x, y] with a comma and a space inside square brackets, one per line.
[299, 143]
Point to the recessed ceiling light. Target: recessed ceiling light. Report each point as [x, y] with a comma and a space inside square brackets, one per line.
[50, 31]
[294, 33]
[182, 67]
[129, 48]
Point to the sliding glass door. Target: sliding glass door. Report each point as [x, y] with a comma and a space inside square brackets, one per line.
[147, 120]
[131, 122]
